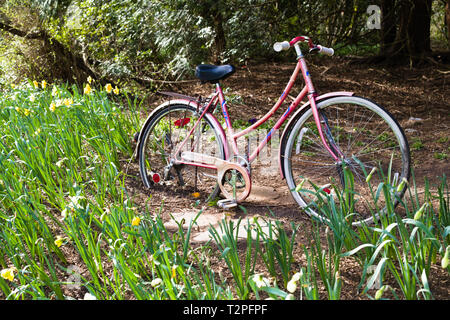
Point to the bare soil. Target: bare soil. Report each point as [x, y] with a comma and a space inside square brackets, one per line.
[418, 98]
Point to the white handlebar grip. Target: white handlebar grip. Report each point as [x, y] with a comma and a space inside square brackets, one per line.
[325, 50]
[278, 46]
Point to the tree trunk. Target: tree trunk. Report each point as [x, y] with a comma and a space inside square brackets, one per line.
[419, 28]
[388, 26]
[447, 19]
[219, 38]
[412, 34]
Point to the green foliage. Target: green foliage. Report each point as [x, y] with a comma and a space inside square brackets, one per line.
[149, 39]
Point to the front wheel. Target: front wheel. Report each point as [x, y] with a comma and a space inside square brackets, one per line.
[366, 135]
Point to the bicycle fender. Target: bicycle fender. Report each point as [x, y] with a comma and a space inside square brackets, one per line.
[193, 104]
[296, 116]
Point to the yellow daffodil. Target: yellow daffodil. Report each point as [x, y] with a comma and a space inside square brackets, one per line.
[36, 84]
[108, 88]
[89, 79]
[68, 102]
[174, 271]
[8, 273]
[59, 241]
[136, 221]
[261, 281]
[26, 112]
[13, 85]
[87, 89]
[44, 84]
[77, 202]
[292, 286]
[116, 90]
[54, 91]
[52, 107]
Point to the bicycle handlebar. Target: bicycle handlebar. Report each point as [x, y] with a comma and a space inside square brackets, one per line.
[278, 46]
[285, 45]
[325, 50]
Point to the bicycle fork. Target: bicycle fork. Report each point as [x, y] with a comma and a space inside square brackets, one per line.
[327, 138]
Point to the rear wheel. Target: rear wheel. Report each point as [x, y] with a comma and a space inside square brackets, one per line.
[161, 138]
[366, 135]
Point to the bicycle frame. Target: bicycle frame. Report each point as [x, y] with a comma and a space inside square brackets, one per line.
[308, 91]
[233, 171]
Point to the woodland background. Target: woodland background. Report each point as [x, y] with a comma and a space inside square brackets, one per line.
[135, 42]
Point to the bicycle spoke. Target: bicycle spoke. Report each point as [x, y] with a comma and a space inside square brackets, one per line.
[167, 131]
[368, 139]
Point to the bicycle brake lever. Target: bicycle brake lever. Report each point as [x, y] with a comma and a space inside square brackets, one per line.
[315, 49]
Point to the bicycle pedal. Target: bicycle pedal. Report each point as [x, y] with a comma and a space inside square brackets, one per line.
[227, 203]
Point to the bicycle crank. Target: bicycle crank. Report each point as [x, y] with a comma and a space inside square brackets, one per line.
[234, 179]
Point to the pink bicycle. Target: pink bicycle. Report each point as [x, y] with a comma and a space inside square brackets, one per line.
[183, 146]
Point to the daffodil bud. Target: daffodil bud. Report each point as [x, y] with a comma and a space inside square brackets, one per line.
[379, 293]
[444, 262]
[297, 276]
[402, 184]
[369, 177]
[300, 185]
[419, 212]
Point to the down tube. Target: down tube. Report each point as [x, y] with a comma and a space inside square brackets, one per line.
[279, 123]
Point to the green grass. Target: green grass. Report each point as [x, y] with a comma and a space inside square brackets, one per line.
[64, 156]
[440, 155]
[417, 145]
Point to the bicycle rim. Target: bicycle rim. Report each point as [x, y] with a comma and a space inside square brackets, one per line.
[162, 137]
[368, 137]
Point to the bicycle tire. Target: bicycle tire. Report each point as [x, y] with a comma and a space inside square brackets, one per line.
[303, 146]
[178, 115]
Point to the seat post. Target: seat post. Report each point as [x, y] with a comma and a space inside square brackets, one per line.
[226, 116]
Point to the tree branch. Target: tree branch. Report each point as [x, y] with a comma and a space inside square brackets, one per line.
[27, 35]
